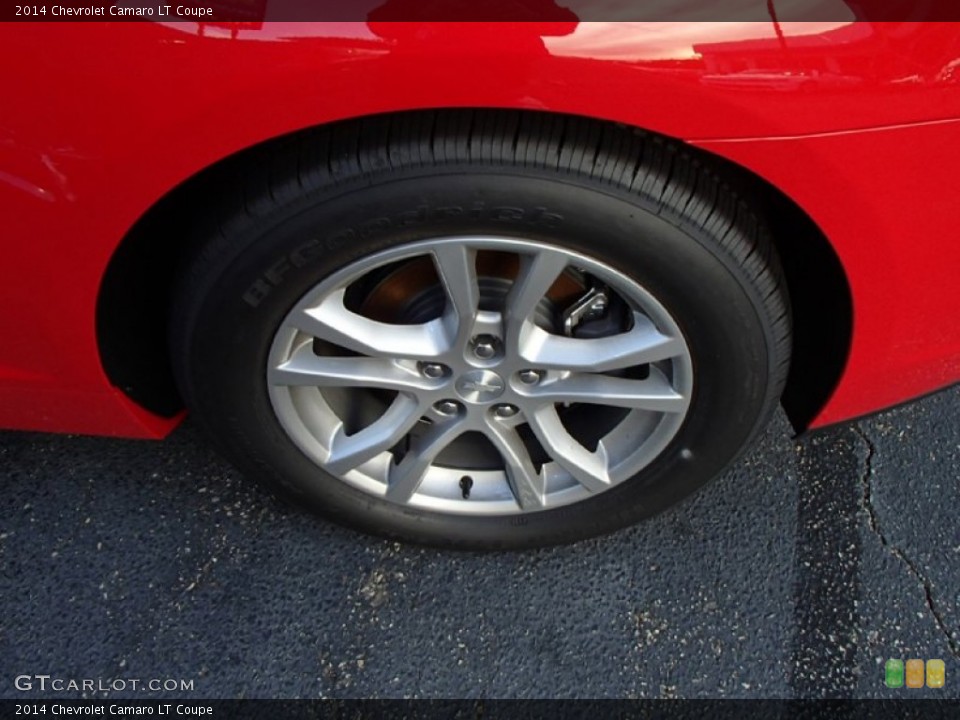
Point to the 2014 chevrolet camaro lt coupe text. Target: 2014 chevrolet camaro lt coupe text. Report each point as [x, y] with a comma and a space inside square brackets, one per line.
[481, 285]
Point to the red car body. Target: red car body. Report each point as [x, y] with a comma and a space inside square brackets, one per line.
[857, 124]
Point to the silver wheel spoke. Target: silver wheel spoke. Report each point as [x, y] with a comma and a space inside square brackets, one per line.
[405, 477]
[537, 274]
[653, 393]
[587, 468]
[307, 368]
[457, 267]
[332, 321]
[526, 484]
[349, 451]
[640, 345]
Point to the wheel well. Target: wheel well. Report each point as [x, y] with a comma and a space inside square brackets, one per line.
[135, 293]
[820, 298]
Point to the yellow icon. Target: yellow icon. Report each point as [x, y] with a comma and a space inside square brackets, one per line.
[936, 673]
[914, 673]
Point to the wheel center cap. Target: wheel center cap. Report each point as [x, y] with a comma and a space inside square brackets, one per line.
[480, 386]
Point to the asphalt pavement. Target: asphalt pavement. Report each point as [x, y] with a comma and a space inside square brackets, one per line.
[796, 574]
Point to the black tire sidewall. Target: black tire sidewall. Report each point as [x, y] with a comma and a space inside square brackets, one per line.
[243, 292]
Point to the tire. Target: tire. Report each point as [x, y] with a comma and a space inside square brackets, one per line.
[680, 360]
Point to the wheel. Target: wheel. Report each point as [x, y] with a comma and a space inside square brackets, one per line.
[482, 329]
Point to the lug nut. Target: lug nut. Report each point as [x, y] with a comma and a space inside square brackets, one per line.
[447, 407]
[484, 346]
[505, 411]
[433, 370]
[530, 377]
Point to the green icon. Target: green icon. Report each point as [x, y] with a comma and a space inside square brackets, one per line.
[893, 673]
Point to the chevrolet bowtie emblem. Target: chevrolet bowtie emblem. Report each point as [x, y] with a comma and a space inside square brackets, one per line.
[480, 386]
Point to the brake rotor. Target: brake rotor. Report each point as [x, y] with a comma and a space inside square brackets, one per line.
[392, 298]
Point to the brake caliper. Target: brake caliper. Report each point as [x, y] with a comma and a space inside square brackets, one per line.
[597, 313]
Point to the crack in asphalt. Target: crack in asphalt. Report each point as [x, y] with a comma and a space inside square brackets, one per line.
[894, 550]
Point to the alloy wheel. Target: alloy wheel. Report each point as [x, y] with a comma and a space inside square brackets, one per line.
[508, 376]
